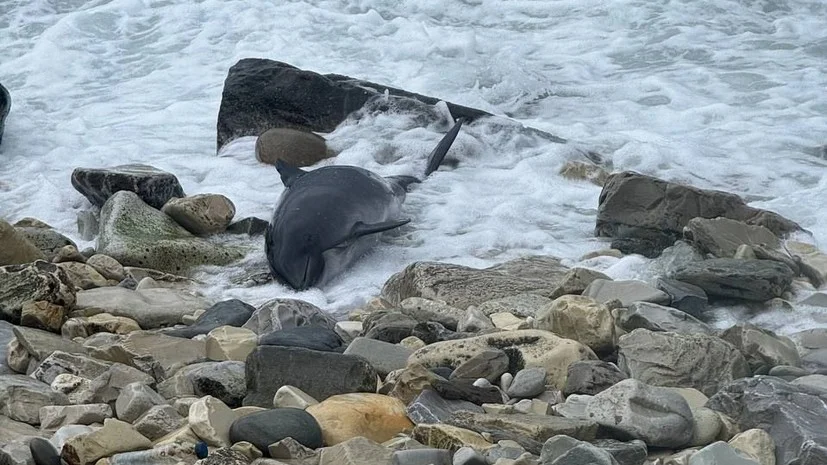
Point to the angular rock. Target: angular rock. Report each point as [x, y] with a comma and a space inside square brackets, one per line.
[424, 310]
[373, 416]
[578, 280]
[210, 419]
[757, 444]
[465, 389]
[475, 321]
[719, 453]
[637, 206]
[100, 323]
[42, 315]
[722, 236]
[449, 437]
[461, 286]
[54, 416]
[813, 262]
[269, 426]
[430, 407]
[107, 387]
[293, 397]
[37, 281]
[306, 337]
[390, 327]
[17, 248]
[289, 448]
[135, 234]
[701, 361]
[422, 457]
[320, 374]
[565, 450]
[656, 317]
[626, 453]
[222, 380]
[40, 344]
[658, 417]
[356, 451]
[579, 318]
[21, 398]
[155, 354]
[231, 312]
[201, 214]
[758, 280]
[763, 349]
[489, 364]
[230, 343]
[278, 314]
[151, 185]
[159, 421]
[591, 377]
[627, 292]
[686, 297]
[134, 400]
[115, 436]
[250, 226]
[794, 416]
[58, 363]
[150, 308]
[526, 348]
[83, 276]
[468, 456]
[384, 357]
[12, 430]
[43, 236]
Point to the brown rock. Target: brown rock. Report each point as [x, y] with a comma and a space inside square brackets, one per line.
[347, 416]
[43, 315]
[298, 148]
[201, 214]
[17, 249]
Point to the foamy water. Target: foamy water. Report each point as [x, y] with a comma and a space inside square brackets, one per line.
[722, 94]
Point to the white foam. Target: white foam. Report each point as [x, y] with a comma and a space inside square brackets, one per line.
[724, 94]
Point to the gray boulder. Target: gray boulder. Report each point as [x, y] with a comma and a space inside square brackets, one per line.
[658, 318]
[762, 348]
[150, 308]
[722, 236]
[135, 234]
[226, 381]
[278, 314]
[383, 356]
[700, 361]
[748, 279]
[21, 398]
[685, 297]
[153, 186]
[591, 377]
[33, 282]
[627, 292]
[429, 407]
[565, 450]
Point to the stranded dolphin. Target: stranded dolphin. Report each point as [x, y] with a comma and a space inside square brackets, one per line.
[329, 217]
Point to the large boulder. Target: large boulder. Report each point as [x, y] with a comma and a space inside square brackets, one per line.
[580, 318]
[747, 279]
[762, 348]
[462, 286]
[261, 94]
[656, 317]
[22, 396]
[5, 107]
[135, 234]
[634, 206]
[722, 236]
[32, 282]
[151, 308]
[794, 416]
[700, 361]
[153, 186]
[17, 248]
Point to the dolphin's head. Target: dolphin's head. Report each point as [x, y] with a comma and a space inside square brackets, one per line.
[298, 261]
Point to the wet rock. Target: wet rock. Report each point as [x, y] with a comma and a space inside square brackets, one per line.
[269, 426]
[579, 318]
[565, 450]
[32, 282]
[812, 261]
[150, 308]
[656, 317]
[525, 348]
[627, 292]
[658, 417]
[701, 361]
[201, 214]
[250, 226]
[151, 185]
[383, 356]
[17, 248]
[462, 287]
[5, 108]
[135, 234]
[578, 170]
[115, 436]
[591, 377]
[306, 337]
[430, 407]
[763, 349]
[722, 236]
[637, 206]
[758, 280]
[297, 148]
[278, 314]
[373, 416]
[320, 374]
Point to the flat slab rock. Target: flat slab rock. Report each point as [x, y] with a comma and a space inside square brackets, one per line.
[152, 185]
[150, 308]
[749, 279]
[462, 286]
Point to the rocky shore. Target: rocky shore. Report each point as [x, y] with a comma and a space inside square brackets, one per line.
[111, 355]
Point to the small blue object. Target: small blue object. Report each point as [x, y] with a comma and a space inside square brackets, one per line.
[201, 450]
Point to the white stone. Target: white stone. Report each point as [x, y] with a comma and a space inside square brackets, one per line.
[230, 343]
[210, 419]
[291, 396]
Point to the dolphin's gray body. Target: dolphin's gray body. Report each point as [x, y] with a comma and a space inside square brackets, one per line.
[328, 218]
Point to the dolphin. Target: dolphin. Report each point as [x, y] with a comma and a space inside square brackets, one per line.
[328, 218]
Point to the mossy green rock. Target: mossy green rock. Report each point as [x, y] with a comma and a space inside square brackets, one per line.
[136, 234]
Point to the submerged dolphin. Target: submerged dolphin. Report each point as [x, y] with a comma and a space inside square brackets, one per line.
[329, 217]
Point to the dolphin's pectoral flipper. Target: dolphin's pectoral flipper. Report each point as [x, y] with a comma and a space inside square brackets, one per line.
[436, 157]
[360, 229]
[288, 172]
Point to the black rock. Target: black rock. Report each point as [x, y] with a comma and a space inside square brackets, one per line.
[231, 312]
[461, 389]
[626, 453]
[153, 186]
[443, 371]
[686, 297]
[43, 452]
[795, 416]
[320, 374]
[307, 337]
[388, 326]
[250, 226]
[226, 381]
[650, 246]
[591, 377]
[5, 107]
[264, 428]
[430, 407]
[758, 280]
[489, 364]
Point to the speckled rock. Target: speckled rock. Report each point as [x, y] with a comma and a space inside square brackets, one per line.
[201, 214]
[277, 314]
[37, 281]
[151, 185]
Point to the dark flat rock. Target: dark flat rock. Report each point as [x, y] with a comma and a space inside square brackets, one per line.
[748, 279]
[227, 313]
[270, 426]
[307, 337]
[153, 186]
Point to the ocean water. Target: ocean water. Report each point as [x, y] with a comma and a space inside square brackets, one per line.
[724, 94]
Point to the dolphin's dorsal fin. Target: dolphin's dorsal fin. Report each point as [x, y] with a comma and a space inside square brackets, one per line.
[360, 229]
[288, 172]
[438, 154]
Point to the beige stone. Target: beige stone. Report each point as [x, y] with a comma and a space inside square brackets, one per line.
[183, 435]
[582, 171]
[100, 323]
[348, 330]
[83, 276]
[114, 437]
[298, 148]
[694, 397]
[576, 281]
[43, 315]
[230, 343]
[247, 410]
[442, 436]
[507, 321]
[410, 382]
[291, 396]
[55, 416]
[69, 253]
[247, 449]
[17, 357]
[210, 420]
[412, 342]
[107, 266]
[756, 443]
[17, 248]
[614, 253]
[579, 318]
[373, 416]
[537, 348]
[201, 214]
[707, 427]
[813, 261]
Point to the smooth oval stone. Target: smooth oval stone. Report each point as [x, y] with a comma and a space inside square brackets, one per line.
[269, 426]
[43, 452]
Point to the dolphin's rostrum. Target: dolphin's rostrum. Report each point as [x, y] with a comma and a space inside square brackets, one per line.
[329, 217]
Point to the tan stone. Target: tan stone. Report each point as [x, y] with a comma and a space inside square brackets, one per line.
[707, 426]
[614, 253]
[580, 318]
[83, 276]
[114, 437]
[412, 342]
[373, 416]
[694, 397]
[100, 323]
[107, 266]
[410, 382]
[17, 248]
[183, 435]
[291, 396]
[537, 348]
[813, 261]
[507, 321]
[201, 214]
[210, 419]
[43, 315]
[230, 343]
[17, 357]
[69, 253]
[298, 148]
[756, 443]
[442, 436]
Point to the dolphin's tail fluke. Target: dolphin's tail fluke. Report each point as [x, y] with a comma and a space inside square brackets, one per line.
[436, 157]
